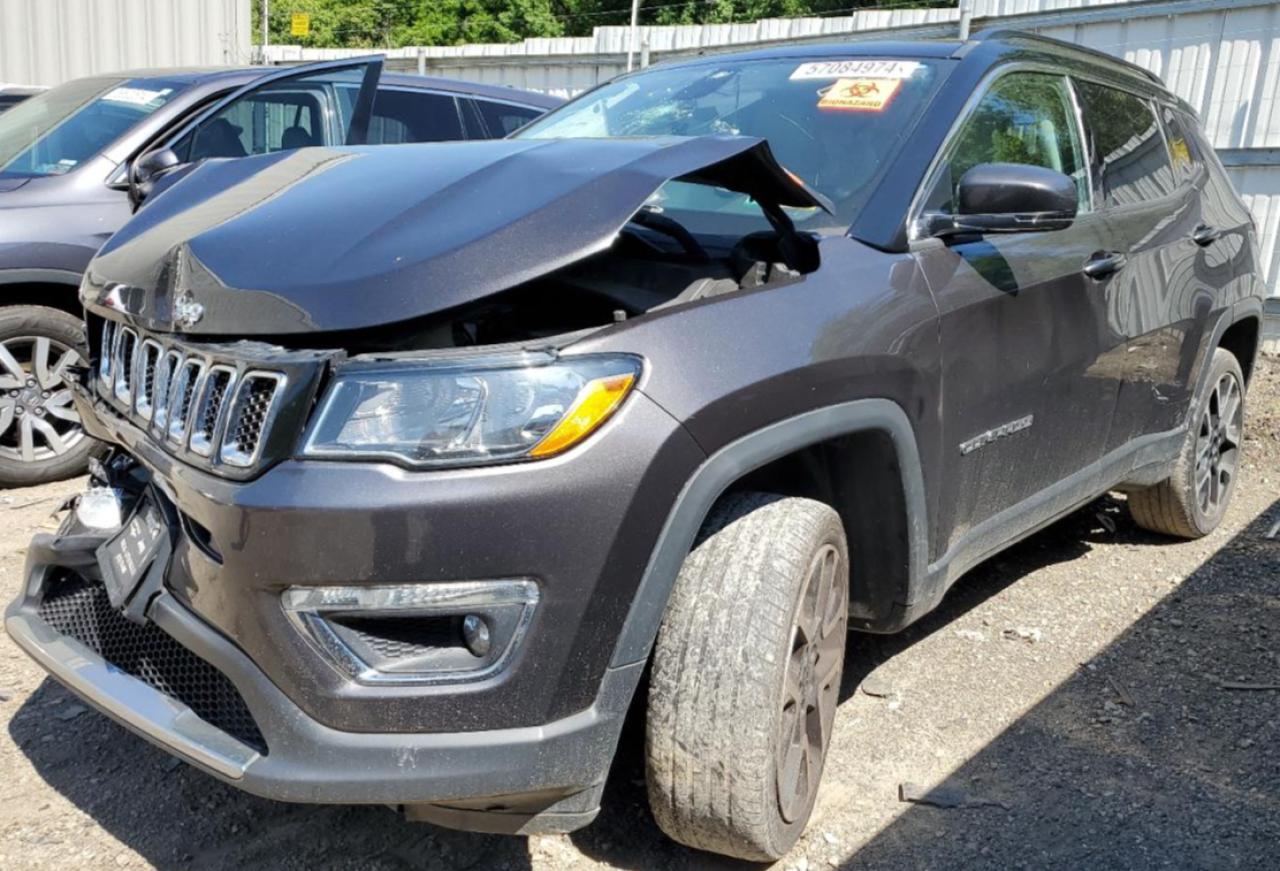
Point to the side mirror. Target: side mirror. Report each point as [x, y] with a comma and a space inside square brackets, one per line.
[147, 170]
[1009, 198]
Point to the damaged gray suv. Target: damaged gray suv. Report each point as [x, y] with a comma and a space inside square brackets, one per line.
[430, 460]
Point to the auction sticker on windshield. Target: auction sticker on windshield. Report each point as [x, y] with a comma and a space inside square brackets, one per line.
[859, 95]
[862, 69]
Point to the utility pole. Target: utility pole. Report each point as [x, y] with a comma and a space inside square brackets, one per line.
[635, 31]
[266, 29]
[966, 17]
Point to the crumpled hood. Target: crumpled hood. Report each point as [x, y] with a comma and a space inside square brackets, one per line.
[325, 239]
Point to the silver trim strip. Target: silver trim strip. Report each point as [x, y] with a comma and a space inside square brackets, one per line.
[149, 712]
[307, 607]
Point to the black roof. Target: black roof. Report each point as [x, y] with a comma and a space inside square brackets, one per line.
[996, 41]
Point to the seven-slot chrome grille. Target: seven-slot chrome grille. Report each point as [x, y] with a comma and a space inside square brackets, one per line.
[209, 410]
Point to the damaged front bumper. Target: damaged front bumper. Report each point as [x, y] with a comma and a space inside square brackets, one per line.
[207, 664]
[540, 778]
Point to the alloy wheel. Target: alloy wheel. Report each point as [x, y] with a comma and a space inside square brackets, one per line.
[811, 686]
[1218, 444]
[38, 420]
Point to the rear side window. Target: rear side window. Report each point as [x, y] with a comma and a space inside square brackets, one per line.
[1023, 118]
[501, 119]
[1130, 162]
[1183, 150]
[413, 116]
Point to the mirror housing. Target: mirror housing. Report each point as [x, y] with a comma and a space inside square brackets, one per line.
[1008, 198]
[147, 170]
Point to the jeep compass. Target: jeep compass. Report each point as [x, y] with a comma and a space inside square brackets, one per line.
[428, 461]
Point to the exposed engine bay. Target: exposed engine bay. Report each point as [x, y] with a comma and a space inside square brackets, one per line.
[639, 274]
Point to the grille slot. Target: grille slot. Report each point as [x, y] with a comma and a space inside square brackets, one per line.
[80, 609]
[204, 429]
[107, 351]
[166, 369]
[125, 358]
[148, 359]
[248, 419]
[182, 396]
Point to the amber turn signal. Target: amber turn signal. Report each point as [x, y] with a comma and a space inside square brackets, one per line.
[597, 401]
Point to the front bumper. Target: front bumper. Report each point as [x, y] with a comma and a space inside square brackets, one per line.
[521, 774]
[527, 749]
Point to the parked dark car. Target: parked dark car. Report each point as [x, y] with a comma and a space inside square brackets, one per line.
[65, 160]
[423, 456]
[12, 95]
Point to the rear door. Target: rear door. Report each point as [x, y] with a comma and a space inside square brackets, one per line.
[1158, 305]
[326, 103]
[414, 115]
[494, 119]
[1021, 324]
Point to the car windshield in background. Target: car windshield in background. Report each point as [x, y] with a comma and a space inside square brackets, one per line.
[54, 132]
[832, 122]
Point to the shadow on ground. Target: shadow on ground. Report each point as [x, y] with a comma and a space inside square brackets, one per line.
[1161, 751]
[1139, 760]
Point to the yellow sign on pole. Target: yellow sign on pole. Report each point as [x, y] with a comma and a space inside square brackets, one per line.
[300, 24]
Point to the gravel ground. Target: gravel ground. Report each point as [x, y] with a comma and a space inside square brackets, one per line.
[1096, 713]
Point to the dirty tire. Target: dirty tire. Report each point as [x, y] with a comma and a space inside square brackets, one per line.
[732, 645]
[20, 327]
[1182, 505]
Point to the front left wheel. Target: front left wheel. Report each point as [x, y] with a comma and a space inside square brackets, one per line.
[41, 438]
[746, 676]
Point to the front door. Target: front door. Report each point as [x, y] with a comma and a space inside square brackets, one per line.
[1021, 323]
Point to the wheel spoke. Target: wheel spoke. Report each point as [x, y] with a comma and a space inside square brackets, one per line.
[51, 379]
[16, 376]
[27, 440]
[40, 360]
[63, 410]
[6, 418]
[55, 441]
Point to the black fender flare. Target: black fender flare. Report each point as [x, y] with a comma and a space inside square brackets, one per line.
[725, 466]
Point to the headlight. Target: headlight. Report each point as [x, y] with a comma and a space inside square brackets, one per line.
[467, 412]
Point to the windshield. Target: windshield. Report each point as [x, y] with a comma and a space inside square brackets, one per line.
[833, 122]
[56, 131]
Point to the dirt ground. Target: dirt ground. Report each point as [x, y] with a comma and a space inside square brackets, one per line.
[1090, 698]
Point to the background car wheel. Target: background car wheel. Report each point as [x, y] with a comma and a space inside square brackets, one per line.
[746, 676]
[1190, 503]
[41, 438]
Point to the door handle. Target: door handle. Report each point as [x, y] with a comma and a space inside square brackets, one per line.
[1101, 265]
[1204, 235]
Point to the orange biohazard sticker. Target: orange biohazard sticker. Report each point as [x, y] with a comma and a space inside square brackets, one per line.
[859, 95]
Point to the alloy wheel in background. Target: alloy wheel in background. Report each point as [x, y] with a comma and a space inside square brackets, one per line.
[1218, 444]
[38, 420]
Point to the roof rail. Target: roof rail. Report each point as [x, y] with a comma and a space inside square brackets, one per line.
[1006, 33]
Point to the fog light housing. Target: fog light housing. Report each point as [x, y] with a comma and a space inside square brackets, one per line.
[429, 633]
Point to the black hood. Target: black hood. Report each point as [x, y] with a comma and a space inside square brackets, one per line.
[326, 239]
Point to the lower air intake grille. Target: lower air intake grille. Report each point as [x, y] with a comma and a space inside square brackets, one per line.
[80, 609]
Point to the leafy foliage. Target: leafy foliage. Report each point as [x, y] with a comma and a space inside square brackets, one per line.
[395, 23]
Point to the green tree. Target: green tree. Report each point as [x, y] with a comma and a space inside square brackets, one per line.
[396, 23]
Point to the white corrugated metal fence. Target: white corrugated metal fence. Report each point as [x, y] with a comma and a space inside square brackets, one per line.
[48, 42]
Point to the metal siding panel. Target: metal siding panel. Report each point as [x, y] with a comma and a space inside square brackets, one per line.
[48, 42]
[1259, 187]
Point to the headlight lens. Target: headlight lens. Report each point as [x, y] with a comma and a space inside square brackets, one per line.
[459, 413]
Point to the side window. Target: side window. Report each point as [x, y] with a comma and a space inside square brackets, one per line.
[501, 119]
[1130, 161]
[413, 116]
[291, 113]
[1183, 150]
[1023, 118]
